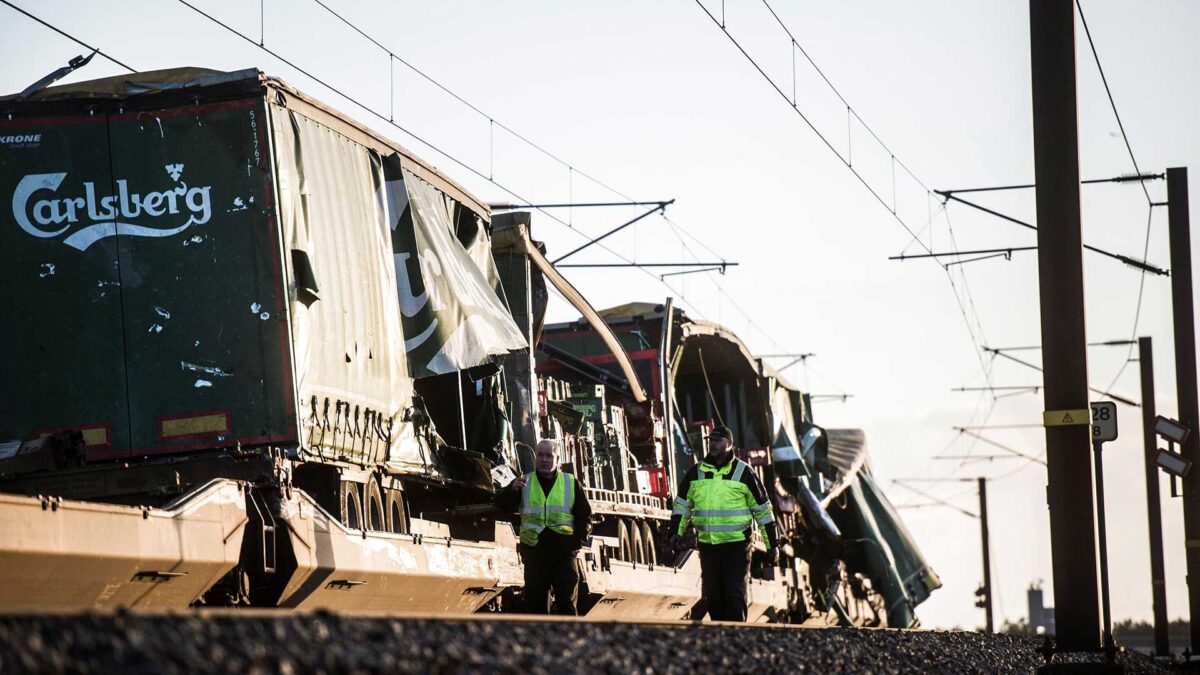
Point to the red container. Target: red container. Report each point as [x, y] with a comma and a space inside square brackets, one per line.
[659, 487]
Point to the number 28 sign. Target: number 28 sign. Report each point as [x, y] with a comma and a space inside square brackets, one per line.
[1104, 421]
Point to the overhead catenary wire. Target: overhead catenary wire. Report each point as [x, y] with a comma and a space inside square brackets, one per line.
[683, 298]
[848, 164]
[70, 37]
[808, 122]
[1138, 264]
[1137, 312]
[1096, 390]
[997, 444]
[468, 104]
[572, 169]
[849, 109]
[904, 483]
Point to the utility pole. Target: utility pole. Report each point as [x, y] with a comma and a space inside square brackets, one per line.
[1060, 280]
[1158, 583]
[987, 557]
[1185, 380]
[983, 594]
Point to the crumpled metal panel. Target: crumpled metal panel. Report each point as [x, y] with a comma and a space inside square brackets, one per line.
[60, 555]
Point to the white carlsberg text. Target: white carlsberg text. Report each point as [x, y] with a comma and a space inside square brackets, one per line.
[105, 215]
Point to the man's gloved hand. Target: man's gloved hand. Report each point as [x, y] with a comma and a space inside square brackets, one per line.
[773, 556]
[676, 542]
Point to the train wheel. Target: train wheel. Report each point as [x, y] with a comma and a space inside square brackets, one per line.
[648, 539]
[351, 502]
[397, 517]
[639, 544]
[373, 507]
[625, 552]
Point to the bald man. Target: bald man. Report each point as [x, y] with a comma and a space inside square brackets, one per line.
[555, 522]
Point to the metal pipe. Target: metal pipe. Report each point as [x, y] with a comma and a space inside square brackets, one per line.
[583, 205]
[695, 264]
[661, 207]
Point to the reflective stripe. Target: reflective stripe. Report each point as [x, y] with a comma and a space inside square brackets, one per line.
[710, 527]
[554, 509]
[721, 513]
[760, 508]
[765, 518]
[739, 467]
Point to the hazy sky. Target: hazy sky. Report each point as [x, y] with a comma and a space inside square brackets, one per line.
[652, 99]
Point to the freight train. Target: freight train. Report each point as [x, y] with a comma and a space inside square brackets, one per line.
[256, 354]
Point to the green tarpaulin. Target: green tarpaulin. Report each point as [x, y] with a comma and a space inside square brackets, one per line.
[453, 319]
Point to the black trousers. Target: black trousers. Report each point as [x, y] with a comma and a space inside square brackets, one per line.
[553, 568]
[725, 574]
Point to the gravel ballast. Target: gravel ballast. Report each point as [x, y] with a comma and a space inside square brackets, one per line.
[302, 643]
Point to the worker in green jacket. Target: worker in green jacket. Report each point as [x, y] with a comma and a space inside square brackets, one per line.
[723, 498]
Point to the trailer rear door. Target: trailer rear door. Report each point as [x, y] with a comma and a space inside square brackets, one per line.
[62, 363]
[164, 316]
[205, 323]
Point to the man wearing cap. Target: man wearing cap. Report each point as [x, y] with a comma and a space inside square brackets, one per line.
[555, 522]
[723, 499]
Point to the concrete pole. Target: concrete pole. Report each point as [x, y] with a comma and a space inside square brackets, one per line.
[1060, 277]
[1178, 224]
[1158, 584]
[988, 626]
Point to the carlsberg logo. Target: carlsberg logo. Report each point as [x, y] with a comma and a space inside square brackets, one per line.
[105, 216]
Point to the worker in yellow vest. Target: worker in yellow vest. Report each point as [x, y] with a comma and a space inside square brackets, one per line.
[723, 498]
[555, 522]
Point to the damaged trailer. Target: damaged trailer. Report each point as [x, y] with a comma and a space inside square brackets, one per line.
[220, 278]
[303, 357]
[229, 291]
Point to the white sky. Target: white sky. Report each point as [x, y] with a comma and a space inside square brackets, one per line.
[653, 100]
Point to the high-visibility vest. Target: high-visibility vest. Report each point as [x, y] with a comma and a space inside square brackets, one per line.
[540, 511]
[720, 505]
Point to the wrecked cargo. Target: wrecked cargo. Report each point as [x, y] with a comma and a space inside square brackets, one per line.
[241, 315]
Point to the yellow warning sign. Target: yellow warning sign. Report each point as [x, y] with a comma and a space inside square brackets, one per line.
[1062, 418]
